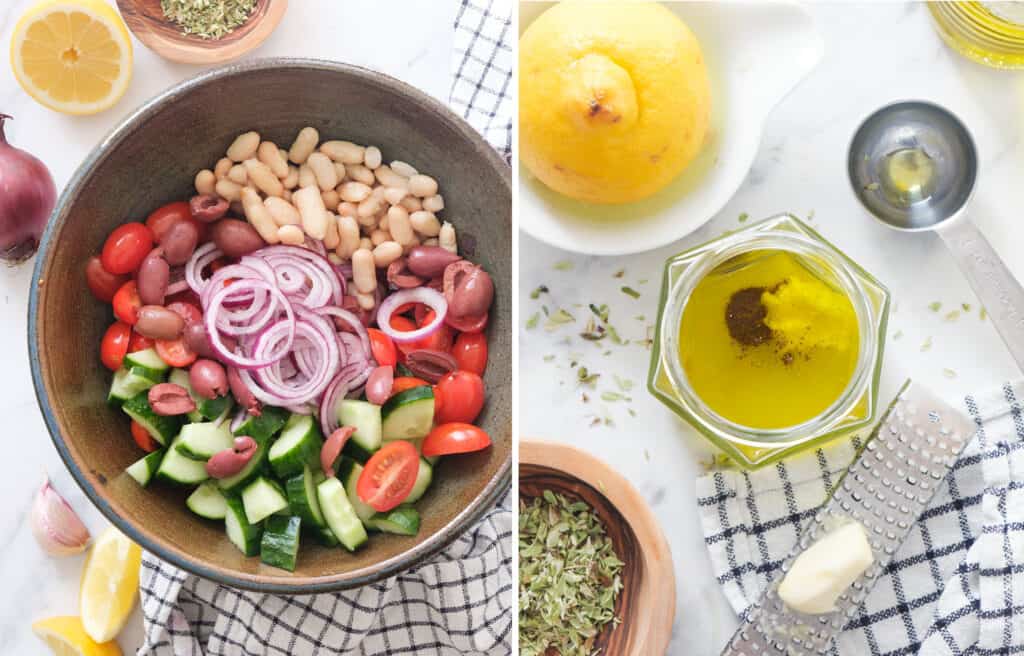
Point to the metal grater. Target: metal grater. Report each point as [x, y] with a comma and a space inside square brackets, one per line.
[885, 489]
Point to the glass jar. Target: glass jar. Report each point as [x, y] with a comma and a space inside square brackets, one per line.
[855, 407]
[990, 33]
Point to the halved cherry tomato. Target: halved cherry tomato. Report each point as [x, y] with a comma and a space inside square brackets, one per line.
[403, 383]
[102, 283]
[383, 348]
[114, 346]
[190, 313]
[175, 352]
[468, 324]
[439, 340]
[126, 247]
[143, 438]
[463, 394]
[139, 343]
[389, 476]
[470, 352]
[127, 303]
[162, 218]
[456, 437]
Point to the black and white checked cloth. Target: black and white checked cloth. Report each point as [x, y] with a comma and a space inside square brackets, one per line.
[461, 602]
[956, 587]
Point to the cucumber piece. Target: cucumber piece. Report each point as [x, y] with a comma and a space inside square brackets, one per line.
[127, 384]
[424, 477]
[208, 501]
[340, 516]
[299, 445]
[403, 520]
[356, 451]
[261, 429]
[280, 544]
[302, 499]
[348, 473]
[142, 470]
[148, 363]
[180, 377]
[431, 460]
[270, 421]
[163, 429]
[365, 418]
[324, 536]
[176, 468]
[205, 408]
[404, 371]
[262, 498]
[408, 415]
[201, 441]
[242, 534]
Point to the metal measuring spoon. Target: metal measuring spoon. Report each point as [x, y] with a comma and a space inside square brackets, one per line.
[913, 165]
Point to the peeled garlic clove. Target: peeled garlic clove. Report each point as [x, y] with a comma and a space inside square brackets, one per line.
[57, 528]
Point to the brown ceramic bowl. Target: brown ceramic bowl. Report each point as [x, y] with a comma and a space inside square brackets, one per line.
[151, 159]
[646, 605]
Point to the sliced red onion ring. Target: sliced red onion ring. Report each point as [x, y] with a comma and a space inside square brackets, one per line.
[353, 321]
[201, 258]
[433, 299]
[287, 323]
[304, 273]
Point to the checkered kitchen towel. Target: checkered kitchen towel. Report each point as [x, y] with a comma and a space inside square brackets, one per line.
[461, 602]
[956, 587]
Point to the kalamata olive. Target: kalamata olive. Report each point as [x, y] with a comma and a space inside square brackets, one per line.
[332, 447]
[429, 261]
[157, 322]
[208, 207]
[198, 342]
[242, 393]
[378, 385]
[472, 294]
[179, 242]
[208, 379]
[152, 278]
[401, 277]
[236, 238]
[429, 365]
[167, 399]
[231, 461]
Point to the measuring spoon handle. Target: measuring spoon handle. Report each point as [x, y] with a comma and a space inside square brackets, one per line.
[997, 289]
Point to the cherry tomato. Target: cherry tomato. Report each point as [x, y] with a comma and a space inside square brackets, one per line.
[139, 343]
[456, 437]
[102, 283]
[389, 476]
[127, 303]
[439, 340]
[164, 217]
[383, 348]
[187, 296]
[463, 394]
[114, 345]
[468, 324]
[126, 247]
[403, 383]
[187, 311]
[470, 352]
[175, 352]
[143, 438]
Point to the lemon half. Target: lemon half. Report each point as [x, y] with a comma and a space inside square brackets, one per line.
[66, 636]
[110, 584]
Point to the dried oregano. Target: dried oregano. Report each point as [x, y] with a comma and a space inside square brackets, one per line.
[208, 19]
[569, 577]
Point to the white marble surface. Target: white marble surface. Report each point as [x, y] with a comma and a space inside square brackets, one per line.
[874, 54]
[409, 39]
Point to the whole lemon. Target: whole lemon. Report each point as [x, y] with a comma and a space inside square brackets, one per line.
[613, 99]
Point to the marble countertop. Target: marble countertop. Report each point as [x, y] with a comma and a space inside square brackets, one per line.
[409, 39]
[875, 54]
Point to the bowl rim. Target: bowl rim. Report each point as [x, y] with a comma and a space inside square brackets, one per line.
[489, 496]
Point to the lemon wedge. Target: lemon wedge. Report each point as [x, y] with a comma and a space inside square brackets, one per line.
[66, 636]
[110, 584]
[73, 56]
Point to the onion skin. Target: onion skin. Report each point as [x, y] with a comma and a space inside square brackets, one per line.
[27, 197]
[55, 525]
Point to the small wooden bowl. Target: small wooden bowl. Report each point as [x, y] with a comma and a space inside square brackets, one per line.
[647, 602]
[146, 20]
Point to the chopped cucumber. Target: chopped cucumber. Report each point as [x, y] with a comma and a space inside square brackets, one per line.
[208, 501]
[403, 520]
[261, 429]
[301, 491]
[262, 498]
[299, 445]
[148, 363]
[348, 473]
[176, 468]
[408, 415]
[127, 384]
[324, 536]
[280, 545]
[201, 441]
[142, 470]
[241, 532]
[205, 408]
[340, 516]
[163, 429]
[424, 477]
[365, 418]
[356, 452]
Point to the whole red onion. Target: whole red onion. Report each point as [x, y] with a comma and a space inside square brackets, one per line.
[27, 196]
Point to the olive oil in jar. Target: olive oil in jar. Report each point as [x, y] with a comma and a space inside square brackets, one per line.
[990, 33]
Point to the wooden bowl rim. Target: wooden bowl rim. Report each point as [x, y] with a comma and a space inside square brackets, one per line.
[659, 580]
[294, 585]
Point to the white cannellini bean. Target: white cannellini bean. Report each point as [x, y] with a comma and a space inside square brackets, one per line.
[331, 239]
[364, 274]
[341, 171]
[323, 169]
[306, 177]
[430, 242]
[378, 237]
[291, 180]
[383, 222]
[411, 204]
[304, 144]
[422, 186]
[369, 207]
[378, 193]
[283, 212]
[311, 208]
[264, 179]
[403, 169]
[346, 208]
[408, 247]
[331, 199]
[334, 258]
[205, 182]
[386, 252]
[284, 154]
[270, 154]
[360, 173]
[258, 215]
[425, 223]
[399, 226]
[446, 238]
[291, 235]
[345, 152]
[238, 174]
[366, 301]
[393, 195]
[372, 157]
[389, 178]
[220, 170]
[244, 146]
[354, 192]
[348, 236]
[228, 190]
[287, 195]
[434, 203]
[365, 242]
[368, 222]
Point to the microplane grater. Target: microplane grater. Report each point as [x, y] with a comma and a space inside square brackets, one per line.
[886, 489]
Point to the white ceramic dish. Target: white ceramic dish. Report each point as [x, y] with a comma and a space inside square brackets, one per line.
[756, 53]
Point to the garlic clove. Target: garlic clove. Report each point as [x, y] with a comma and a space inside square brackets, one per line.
[56, 526]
